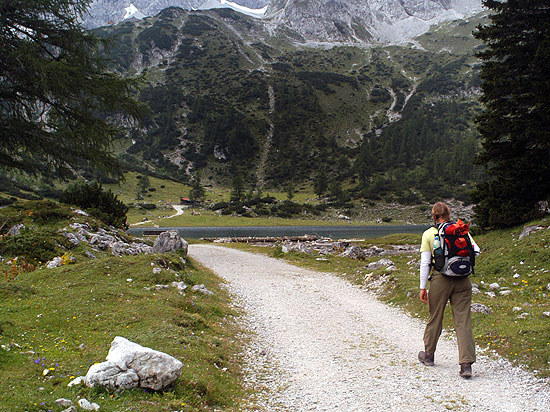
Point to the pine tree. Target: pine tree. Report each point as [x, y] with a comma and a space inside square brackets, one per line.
[57, 98]
[197, 193]
[320, 181]
[515, 124]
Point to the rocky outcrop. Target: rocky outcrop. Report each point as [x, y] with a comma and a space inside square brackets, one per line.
[528, 230]
[170, 242]
[103, 239]
[130, 365]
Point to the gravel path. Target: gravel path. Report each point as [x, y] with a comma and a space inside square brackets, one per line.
[322, 344]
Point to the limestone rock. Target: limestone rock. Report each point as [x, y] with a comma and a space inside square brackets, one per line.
[494, 286]
[15, 230]
[528, 230]
[354, 252]
[380, 263]
[169, 242]
[70, 409]
[546, 314]
[65, 403]
[55, 262]
[72, 238]
[90, 255]
[77, 381]
[202, 289]
[479, 308]
[131, 365]
[87, 405]
[181, 286]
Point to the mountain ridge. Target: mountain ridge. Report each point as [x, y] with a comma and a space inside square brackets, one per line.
[343, 21]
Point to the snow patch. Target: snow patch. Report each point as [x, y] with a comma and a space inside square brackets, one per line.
[219, 4]
[133, 12]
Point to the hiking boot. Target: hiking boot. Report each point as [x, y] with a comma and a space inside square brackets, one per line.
[426, 358]
[465, 370]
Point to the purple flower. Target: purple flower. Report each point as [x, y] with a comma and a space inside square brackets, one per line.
[37, 361]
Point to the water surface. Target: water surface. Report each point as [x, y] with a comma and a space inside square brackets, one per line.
[334, 232]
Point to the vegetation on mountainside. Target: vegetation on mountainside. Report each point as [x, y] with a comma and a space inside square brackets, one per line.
[215, 97]
[63, 320]
[515, 122]
[516, 328]
[59, 101]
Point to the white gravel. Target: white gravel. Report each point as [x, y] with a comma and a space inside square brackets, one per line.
[322, 344]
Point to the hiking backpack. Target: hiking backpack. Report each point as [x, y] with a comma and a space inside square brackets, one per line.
[455, 255]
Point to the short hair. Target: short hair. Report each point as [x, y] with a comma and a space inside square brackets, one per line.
[441, 210]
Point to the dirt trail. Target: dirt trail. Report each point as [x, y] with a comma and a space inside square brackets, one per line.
[322, 344]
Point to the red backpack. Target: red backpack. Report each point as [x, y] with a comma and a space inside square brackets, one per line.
[456, 257]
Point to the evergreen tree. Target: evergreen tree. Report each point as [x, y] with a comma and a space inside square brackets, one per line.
[320, 182]
[197, 193]
[56, 96]
[515, 124]
[237, 188]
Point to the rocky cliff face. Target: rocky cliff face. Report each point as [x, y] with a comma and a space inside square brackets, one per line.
[347, 21]
[365, 20]
[106, 12]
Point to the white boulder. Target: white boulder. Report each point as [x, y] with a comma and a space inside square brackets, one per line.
[55, 262]
[480, 308]
[130, 365]
[169, 242]
[380, 263]
[87, 405]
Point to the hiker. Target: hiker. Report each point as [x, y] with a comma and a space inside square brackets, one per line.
[450, 250]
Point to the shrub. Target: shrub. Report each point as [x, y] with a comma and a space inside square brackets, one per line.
[100, 203]
[386, 219]
[220, 205]
[38, 245]
[5, 201]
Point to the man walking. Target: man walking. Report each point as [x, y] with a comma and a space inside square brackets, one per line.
[443, 288]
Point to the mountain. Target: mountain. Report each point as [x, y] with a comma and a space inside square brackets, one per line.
[108, 12]
[365, 20]
[319, 21]
[229, 97]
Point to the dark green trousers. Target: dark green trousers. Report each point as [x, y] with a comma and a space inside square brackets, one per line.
[459, 292]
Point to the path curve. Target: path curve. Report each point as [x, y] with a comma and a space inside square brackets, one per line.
[323, 344]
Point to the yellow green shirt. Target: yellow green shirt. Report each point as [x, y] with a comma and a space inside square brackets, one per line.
[428, 237]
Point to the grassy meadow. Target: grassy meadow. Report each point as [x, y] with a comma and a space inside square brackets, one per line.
[55, 323]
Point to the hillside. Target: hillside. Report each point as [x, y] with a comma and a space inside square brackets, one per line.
[227, 98]
[55, 322]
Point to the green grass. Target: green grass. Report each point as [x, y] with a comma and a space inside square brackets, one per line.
[64, 319]
[525, 341]
[46, 316]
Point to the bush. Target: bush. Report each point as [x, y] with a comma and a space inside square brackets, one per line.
[34, 245]
[386, 219]
[220, 205]
[5, 201]
[100, 203]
